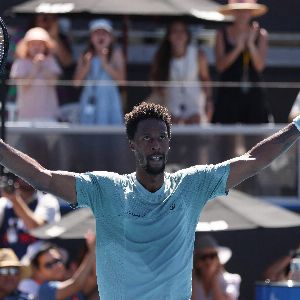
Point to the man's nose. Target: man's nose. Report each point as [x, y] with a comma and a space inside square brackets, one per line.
[155, 144]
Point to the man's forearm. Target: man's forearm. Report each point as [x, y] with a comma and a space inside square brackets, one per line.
[76, 282]
[24, 166]
[269, 149]
[261, 155]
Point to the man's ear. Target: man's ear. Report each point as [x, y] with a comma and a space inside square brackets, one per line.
[131, 145]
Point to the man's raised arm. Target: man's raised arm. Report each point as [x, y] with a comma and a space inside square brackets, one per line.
[59, 183]
[261, 155]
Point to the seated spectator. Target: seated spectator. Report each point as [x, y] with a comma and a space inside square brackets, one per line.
[101, 104]
[178, 60]
[22, 208]
[210, 280]
[11, 272]
[52, 280]
[31, 284]
[36, 96]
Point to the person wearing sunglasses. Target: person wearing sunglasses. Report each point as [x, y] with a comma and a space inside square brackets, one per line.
[51, 279]
[210, 280]
[11, 272]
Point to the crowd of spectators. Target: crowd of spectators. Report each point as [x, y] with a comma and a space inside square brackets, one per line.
[45, 54]
[34, 269]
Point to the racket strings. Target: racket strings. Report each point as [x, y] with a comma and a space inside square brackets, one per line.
[3, 45]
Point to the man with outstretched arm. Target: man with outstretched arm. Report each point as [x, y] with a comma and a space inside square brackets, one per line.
[146, 220]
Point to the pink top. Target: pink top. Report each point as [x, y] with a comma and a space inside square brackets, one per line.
[38, 101]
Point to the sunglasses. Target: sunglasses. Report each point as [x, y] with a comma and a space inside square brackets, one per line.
[6, 271]
[208, 256]
[52, 263]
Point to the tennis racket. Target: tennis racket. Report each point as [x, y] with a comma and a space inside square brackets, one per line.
[4, 44]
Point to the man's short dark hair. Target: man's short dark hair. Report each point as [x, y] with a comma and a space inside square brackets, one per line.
[146, 111]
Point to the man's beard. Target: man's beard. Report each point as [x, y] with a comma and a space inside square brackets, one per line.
[155, 171]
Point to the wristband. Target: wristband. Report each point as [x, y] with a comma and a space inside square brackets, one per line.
[296, 121]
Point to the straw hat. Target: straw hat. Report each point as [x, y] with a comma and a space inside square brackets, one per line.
[207, 241]
[8, 258]
[256, 9]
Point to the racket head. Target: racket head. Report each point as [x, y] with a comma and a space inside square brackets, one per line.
[4, 45]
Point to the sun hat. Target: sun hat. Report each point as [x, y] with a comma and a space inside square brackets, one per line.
[37, 34]
[207, 241]
[34, 34]
[251, 5]
[101, 24]
[8, 258]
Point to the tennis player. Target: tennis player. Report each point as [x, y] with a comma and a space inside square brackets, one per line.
[145, 221]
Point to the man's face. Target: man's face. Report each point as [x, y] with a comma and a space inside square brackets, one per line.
[51, 267]
[207, 260]
[9, 279]
[151, 146]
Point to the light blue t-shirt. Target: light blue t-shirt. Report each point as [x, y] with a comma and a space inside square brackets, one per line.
[145, 240]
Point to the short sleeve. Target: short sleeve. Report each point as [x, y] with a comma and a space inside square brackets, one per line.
[199, 184]
[93, 189]
[19, 69]
[207, 181]
[216, 180]
[29, 286]
[47, 290]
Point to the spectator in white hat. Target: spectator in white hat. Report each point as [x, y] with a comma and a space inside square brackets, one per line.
[36, 67]
[102, 61]
[210, 280]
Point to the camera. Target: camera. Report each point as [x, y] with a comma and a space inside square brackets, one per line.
[8, 183]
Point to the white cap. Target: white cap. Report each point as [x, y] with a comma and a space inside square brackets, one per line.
[33, 250]
[101, 24]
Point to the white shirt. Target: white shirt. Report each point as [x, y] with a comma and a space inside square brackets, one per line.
[185, 101]
[29, 286]
[47, 208]
[229, 283]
